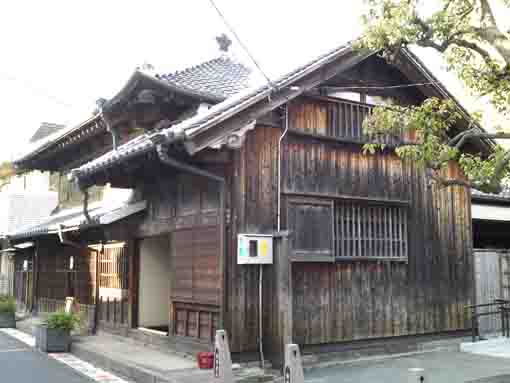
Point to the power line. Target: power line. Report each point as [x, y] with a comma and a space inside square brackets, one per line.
[382, 86]
[245, 48]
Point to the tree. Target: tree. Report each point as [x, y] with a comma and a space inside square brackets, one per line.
[477, 50]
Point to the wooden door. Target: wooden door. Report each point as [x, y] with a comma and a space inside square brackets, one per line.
[196, 281]
[488, 287]
[504, 262]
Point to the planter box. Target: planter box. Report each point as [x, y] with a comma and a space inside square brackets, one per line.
[7, 320]
[52, 339]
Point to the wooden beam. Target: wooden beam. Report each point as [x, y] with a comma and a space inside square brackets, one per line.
[201, 139]
[374, 200]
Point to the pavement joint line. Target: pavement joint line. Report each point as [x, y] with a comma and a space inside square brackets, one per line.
[85, 368]
[335, 363]
[14, 350]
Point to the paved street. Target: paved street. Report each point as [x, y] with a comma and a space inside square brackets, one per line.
[19, 363]
[439, 367]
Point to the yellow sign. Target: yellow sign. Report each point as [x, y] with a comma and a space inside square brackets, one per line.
[263, 248]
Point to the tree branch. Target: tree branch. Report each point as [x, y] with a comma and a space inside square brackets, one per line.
[460, 139]
[475, 47]
[487, 14]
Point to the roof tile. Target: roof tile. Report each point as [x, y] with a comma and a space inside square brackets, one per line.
[221, 77]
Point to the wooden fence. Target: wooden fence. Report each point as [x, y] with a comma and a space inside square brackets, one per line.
[114, 313]
[492, 276]
[4, 285]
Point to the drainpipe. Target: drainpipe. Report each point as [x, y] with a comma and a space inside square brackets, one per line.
[167, 160]
[279, 197]
[85, 193]
[100, 103]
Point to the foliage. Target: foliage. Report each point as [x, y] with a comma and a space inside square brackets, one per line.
[466, 33]
[7, 304]
[63, 321]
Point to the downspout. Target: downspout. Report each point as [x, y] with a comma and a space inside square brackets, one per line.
[85, 193]
[279, 192]
[35, 277]
[100, 103]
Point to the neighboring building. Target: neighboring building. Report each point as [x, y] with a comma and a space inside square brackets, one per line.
[491, 219]
[24, 199]
[364, 246]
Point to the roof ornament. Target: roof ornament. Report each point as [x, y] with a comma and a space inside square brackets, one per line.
[224, 42]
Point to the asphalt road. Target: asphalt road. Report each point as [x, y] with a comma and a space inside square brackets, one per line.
[19, 363]
[438, 367]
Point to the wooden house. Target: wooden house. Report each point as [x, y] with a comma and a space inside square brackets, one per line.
[364, 246]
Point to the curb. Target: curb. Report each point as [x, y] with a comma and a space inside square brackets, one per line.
[136, 373]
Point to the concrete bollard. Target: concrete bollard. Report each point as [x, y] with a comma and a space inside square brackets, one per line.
[222, 359]
[416, 375]
[69, 305]
[293, 371]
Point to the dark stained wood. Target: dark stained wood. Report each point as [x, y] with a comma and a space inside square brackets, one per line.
[426, 293]
[253, 207]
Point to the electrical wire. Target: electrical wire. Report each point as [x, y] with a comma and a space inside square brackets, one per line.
[245, 48]
[382, 86]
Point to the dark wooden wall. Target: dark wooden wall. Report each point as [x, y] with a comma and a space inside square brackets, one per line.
[369, 299]
[186, 208]
[253, 186]
[57, 281]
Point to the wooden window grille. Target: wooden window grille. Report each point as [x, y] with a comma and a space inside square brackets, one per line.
[366, 231]
[113, 267]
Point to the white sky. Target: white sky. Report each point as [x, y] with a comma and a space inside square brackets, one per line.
[58, 57]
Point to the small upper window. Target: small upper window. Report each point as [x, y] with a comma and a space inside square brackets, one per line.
[352, 96]
[379, 100]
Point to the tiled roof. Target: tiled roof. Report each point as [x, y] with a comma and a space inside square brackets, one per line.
[211, 117]
[73, 218]
[45, 130]
[221, 77]
[503, 196]
[217, 79]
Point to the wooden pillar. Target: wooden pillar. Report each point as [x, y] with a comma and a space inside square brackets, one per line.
[35, 277]
[282, 274]
[222, 264]
[133, 260]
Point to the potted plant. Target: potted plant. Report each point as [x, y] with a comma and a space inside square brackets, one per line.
[7, 312]
[54, 334]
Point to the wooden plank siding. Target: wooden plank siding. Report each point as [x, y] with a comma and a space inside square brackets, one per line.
[335, 302]
[253, 210]
[187, 209]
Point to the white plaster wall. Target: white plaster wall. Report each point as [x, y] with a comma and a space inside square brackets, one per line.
[154, 289]
[490, 212]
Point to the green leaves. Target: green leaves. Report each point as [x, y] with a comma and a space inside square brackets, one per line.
[429, 123]
[466, 34]
[63, 321]
[461, 30]
[7, 304]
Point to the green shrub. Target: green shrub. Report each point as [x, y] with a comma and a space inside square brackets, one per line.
[7, 304]
[62, 320]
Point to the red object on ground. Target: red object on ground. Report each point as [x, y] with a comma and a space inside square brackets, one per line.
[205, 360]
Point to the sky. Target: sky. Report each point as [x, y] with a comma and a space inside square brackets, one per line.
[58, 57]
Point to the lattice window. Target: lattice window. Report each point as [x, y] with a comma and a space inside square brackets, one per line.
[366, 231]
[113, 267]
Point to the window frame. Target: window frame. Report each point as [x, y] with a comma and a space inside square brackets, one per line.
[404, 242]
[307, 255]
